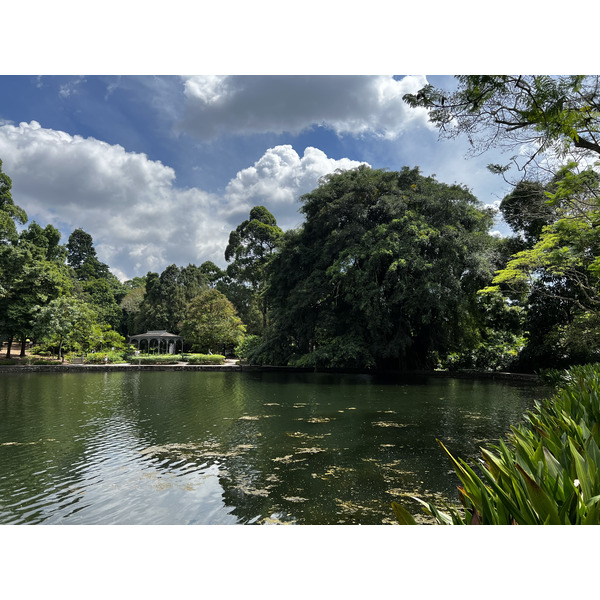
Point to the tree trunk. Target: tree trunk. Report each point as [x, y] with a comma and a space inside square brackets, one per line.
[23, 346]
[10, 340]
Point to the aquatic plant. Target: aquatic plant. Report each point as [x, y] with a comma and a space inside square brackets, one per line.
[547, 471]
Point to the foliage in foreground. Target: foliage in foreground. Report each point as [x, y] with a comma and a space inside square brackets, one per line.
[548, 472]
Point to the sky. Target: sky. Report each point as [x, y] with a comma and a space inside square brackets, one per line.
[159, 169]
[186, 118]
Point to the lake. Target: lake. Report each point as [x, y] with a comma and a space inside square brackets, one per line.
[238, 447]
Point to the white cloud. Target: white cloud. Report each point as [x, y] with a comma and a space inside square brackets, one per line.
[70, 88]
[138, 218]
[352, 104]
[277, 180]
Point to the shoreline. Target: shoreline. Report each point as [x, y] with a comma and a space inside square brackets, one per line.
[231, 365]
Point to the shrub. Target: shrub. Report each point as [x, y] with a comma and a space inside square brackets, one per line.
[42, 350]
[42, 361]
[548, 472]
[97, 358]
[248, 344]
[8, 361]
[155, 359]
[205, 359]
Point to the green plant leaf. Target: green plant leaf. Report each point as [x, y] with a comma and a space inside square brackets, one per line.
[402, 515]
[544, 506]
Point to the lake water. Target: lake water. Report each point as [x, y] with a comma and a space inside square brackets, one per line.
[237, 447]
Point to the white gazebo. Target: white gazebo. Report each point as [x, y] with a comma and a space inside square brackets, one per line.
[170, 340]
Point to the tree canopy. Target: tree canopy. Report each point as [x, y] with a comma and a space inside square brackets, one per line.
[211, 323]
[531, 113]
[383, 272]
[250, 249]
[553, 122]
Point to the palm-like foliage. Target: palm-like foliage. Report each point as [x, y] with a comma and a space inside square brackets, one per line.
[548, 471]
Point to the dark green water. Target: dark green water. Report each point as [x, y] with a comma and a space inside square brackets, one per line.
[228, 447]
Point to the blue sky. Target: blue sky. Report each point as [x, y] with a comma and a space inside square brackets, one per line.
[159, 169]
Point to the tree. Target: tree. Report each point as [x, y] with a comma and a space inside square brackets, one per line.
[212, 323]
[526, 210]
[383, 273]
[130, 305]
[166, 297]
[81, 256]
[34, 273]
[66, 322]
[10, 213]
[557, 120]
[250, 249]
[534, 112]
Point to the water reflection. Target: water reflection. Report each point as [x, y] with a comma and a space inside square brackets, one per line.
[224, 448]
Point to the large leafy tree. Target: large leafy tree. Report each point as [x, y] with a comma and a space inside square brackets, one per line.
[81, 256]
[66, 322]
[384, 272]
[10, 213]
[34, 274]
[166, 297]
[528, 113]
[250, 249]
[96, 284]
[554, 125]
[211, 323]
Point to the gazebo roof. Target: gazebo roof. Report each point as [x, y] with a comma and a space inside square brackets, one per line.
[161, 333]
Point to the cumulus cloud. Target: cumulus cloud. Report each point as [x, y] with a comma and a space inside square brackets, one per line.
[353, 105]
[139, 220]
[277, 180]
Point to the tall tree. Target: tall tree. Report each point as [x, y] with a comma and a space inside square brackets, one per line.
[384, 271]
[166, 297]
[34, 273]
[554, 124]
[211, 323]
[10, 213]
[97, 285]
[81, 256]
[250, 249]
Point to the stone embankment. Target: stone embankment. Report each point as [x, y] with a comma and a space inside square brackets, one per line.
[234, 365]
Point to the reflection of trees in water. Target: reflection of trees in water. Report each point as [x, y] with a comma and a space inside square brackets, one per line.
[267, 448]
[51, 426]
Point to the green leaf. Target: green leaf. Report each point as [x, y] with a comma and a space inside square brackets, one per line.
[402, 515]
[544, 506]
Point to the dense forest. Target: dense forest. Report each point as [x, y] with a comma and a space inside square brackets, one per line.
[390, 270]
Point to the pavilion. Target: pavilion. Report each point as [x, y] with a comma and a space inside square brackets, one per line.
[170, 340]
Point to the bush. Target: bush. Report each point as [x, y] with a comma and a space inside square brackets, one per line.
[42, 350]
[205, 359]
[8, 361]
[97, 358]
[155, 359]
[248, 344]
[548, 472]
[41, 361]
